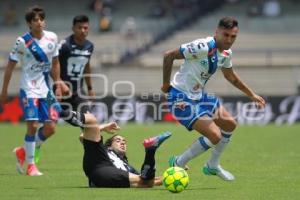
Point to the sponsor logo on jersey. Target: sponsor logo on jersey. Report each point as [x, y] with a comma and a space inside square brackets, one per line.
[81, 52]
[40, 67]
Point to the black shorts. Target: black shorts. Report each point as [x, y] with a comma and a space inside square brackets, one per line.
[77, 103]
[100, 170]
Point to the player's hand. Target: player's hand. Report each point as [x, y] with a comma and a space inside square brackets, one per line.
[64, 88]
[58, 93]
[111, 127]
[165, 87]
[259, 101]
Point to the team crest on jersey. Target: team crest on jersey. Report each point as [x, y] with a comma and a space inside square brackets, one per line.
[180, 104]
[50, 46]
[213, 59]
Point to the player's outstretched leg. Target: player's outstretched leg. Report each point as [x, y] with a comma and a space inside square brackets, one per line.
[199, 146]
[172, 163]
[218, 171]
[156, 141]
[151, 145]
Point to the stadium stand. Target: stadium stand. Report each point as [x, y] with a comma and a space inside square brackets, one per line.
[266, 52]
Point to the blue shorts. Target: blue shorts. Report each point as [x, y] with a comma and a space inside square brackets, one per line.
[40, 109]
[187, 110]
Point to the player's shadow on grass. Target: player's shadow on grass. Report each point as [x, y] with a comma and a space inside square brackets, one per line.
[145, 189]
[194, 188]
[9, 174]
[59, 187]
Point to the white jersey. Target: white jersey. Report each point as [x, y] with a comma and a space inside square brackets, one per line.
[34, 78]
[202, 59]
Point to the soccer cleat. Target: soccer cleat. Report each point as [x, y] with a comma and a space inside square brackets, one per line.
[37, 155]
[172, 163]
[156, 141]
[32, 170]
[20, 155]
[219, 171]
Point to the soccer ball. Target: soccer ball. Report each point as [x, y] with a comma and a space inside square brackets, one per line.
[175, 179]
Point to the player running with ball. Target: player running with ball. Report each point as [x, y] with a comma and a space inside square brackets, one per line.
[192, 106]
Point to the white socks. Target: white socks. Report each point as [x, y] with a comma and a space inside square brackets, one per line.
[197, 148]
[29, 145]
[214, 160]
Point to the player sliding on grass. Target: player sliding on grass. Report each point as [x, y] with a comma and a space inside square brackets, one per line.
[192, 106]
[106, 165]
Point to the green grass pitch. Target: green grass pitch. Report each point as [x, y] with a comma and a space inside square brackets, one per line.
[264, 159]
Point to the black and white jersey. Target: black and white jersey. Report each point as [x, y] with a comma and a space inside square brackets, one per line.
[120, 163]
[73, 59]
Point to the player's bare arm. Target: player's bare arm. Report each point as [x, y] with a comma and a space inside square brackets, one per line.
[235, 80]
[88, 80]
[169, 58]
[61, 87]
[110, 127]
[7, 76]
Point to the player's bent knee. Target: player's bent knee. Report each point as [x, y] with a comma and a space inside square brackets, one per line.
[32, 128]
[215, 138]
[230, 126]
[49, 130]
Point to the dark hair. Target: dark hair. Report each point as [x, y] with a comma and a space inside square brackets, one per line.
[108, 144]
[80, 19]
[34, 11]
[109, 141]
[228, 23]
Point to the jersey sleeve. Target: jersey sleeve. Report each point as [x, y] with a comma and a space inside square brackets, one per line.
[62, 48]
[56, 50]
[194, 50]
[92, 49]
[17, 50]
[227, 59]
